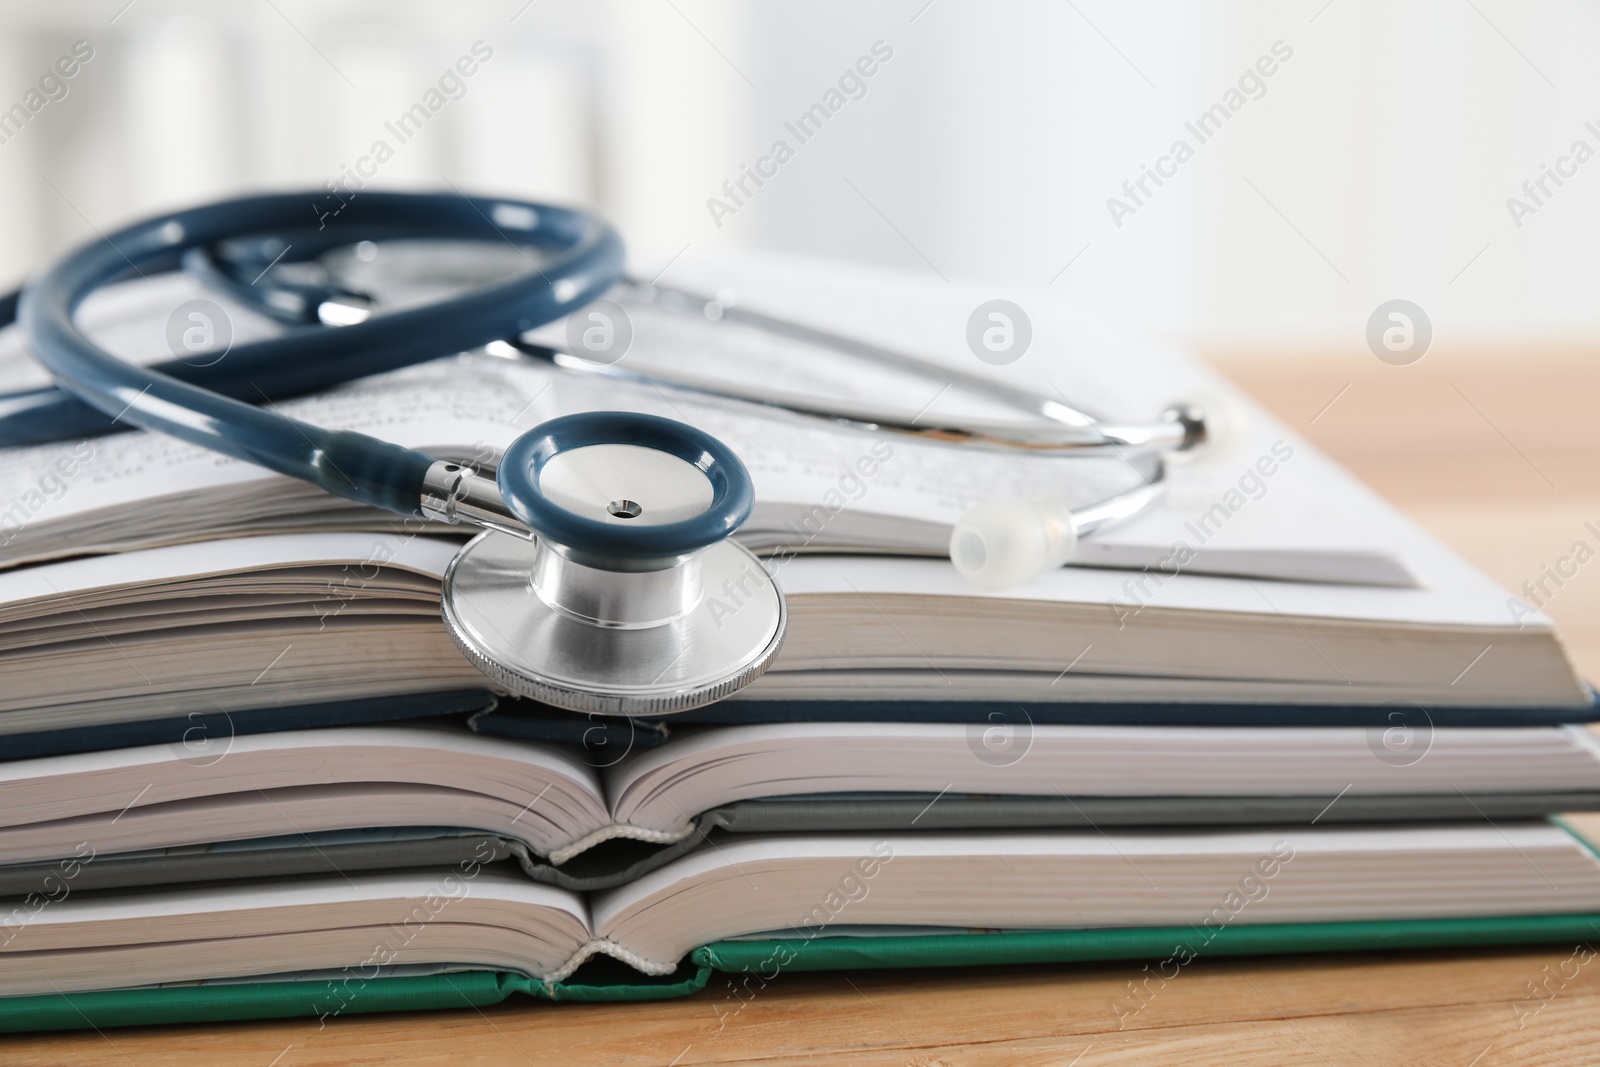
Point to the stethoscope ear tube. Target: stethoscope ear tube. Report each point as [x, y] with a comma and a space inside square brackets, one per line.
[580, 257]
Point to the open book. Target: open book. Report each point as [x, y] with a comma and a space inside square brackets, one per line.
[470, 917]
[548, 808]
[1301, 587]
[818, 488]
[281, 621]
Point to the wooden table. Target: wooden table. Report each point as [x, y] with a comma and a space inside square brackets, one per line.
[1496, 454]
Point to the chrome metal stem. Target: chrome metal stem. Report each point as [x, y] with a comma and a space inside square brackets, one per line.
[626, 600]
[456, 494]
[1127, 504]
[1061, 430]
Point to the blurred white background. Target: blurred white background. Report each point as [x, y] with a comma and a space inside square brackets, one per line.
[1376, 164]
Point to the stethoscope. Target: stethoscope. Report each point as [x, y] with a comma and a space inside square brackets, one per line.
[602, 532]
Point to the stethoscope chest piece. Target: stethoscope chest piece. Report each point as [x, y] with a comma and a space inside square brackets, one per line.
[631, 599]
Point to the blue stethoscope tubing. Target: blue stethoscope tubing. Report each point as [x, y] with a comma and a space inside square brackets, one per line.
[579, 257]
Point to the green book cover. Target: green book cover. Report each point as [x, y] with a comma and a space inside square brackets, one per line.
[747, 965]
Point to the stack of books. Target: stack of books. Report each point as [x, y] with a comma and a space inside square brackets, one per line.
[245, 773]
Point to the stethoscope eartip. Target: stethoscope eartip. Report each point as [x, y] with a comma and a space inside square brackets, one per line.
[1002, 543]
[1217, 425]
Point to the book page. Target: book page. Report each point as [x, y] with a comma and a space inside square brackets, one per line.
[498, 921]
[477, 404]
[696, 772]
[1274, 491]
[130, 798]
[804, 885]
[241, 556]
[1464, 599]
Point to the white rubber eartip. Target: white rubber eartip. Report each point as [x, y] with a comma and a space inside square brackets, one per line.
[1001, 544]
[1227, 427]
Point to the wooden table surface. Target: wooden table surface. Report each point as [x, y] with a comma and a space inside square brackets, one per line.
[1496, 454]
